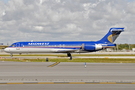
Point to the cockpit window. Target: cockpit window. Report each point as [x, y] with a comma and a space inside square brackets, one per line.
[13, 45]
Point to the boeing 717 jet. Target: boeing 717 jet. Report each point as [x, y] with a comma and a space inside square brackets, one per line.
[66, 46]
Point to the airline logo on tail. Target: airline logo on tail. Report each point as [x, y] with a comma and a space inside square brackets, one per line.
[110, 38]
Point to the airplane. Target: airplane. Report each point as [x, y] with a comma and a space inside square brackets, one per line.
[65, 46]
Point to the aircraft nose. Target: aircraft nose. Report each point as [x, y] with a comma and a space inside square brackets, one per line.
[6, 49]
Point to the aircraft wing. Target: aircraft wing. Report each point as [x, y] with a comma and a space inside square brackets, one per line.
[68, 51]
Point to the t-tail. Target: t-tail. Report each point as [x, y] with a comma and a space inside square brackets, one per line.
[112, 35]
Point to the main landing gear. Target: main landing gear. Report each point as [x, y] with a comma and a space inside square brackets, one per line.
[69, 55]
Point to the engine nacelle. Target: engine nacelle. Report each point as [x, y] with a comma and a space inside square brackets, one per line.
[92, 47]
[98, 46]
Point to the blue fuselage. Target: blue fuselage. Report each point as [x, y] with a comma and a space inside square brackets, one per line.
[57, 47]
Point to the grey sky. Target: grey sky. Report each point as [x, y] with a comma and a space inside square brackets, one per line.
[39, 20]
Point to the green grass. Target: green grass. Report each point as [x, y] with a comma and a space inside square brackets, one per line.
[90, 60]
[95, 60]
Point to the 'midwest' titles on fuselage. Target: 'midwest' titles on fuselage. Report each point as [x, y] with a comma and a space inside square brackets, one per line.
[38, 44]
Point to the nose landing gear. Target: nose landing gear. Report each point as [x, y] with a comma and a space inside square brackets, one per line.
[11, 54]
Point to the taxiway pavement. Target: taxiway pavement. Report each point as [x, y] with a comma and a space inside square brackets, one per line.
[66, 72]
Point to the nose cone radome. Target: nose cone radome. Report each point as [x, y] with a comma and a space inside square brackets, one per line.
[6, 50]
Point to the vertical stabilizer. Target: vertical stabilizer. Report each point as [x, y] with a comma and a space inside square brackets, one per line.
[112, 35]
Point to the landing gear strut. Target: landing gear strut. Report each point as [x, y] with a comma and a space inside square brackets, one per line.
[11, 55]
[69, 55]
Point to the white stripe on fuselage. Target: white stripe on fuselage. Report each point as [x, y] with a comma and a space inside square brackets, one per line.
[37, 50]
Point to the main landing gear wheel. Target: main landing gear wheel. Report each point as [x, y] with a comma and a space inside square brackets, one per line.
[69, 55]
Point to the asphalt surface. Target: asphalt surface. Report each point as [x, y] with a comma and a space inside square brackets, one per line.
[67, 87]
[66, 72]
